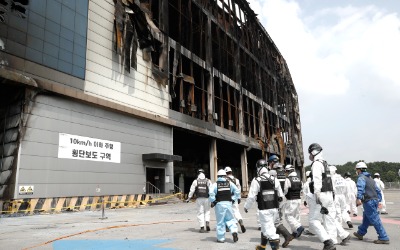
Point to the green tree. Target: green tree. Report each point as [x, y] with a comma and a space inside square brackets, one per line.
[387, 170]
[389, 176]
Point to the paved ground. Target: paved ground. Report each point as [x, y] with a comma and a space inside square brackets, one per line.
[170, 226]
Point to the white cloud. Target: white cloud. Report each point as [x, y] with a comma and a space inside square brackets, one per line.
[344, 63]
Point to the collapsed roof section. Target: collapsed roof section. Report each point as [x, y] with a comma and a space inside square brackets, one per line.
[220, 66]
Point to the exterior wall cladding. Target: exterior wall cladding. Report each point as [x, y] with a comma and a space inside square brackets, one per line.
[148, 68]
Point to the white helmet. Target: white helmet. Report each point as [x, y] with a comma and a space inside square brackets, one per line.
[228, 169]
[289, 168]
[332, 169]
[361, 165]
[308, 173]
[377, 174]
[277, 166]
[273, 172]
[221, 172]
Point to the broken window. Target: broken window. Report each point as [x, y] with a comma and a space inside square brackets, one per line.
[222, 64]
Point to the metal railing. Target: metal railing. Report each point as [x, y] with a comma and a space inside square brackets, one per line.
[177, 189]
[151, 189]
[178, 192]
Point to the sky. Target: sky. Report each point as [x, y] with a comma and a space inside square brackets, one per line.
[344, 59]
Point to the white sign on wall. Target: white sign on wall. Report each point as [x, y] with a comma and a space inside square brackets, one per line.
[89, 149]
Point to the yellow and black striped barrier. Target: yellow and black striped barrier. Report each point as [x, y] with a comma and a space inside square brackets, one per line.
[81, 203]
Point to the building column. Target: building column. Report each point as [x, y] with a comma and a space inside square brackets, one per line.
[245, 176]
[213, 160]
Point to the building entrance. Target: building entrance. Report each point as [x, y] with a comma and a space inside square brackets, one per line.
[156, 176]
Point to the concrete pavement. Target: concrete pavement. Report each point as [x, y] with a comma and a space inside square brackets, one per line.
[170, 226]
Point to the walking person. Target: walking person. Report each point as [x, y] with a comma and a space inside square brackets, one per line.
[201, 187]
[292, 190]
[306, 188]
[323, 206]
[307, 197]
[339, 187]
[275, 170]
[235, 206]
[369, 195]
[351, 194]
[267, 192]
[381, 186]
[222, 196]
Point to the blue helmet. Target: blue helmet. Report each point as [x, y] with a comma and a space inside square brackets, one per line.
[273, 158]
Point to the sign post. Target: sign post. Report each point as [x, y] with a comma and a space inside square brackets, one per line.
[102, 204]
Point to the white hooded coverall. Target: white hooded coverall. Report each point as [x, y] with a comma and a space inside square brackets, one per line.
[339, 185]
[381, 186]
[351, 194]
[292, 207]
[268, 217]
[331, 227]
[203, 204]
[235, 206]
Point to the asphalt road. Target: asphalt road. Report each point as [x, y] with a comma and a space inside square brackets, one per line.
[169, 226]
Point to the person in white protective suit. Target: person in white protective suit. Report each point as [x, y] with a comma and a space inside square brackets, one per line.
[292, 190]
[307, 196]
[339, 187]
[351, 194]
[261, 172]
[306, 187]
[201, 187]
[235, 206]
[222, 195]
[323, 206]
[276, 169]
[267, 192]
[381, 186]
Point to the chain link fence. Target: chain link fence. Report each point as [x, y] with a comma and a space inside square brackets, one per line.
[392, 185]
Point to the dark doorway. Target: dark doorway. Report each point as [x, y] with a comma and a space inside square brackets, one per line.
[156, 176]
[253, 156]
[229, 154]
[194, 149]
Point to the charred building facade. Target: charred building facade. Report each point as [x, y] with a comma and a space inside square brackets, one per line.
[99, 98]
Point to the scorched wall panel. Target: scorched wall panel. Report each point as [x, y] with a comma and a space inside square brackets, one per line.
[106, 77]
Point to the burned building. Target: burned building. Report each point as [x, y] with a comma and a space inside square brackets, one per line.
[111, 98]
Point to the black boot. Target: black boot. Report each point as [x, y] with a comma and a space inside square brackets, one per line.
[328, 245]
[264, 242]
[208, 226]
[242, 226]
[288, 237]
[274, 244]
[202, 230]
[299, 231]
[235, 237]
